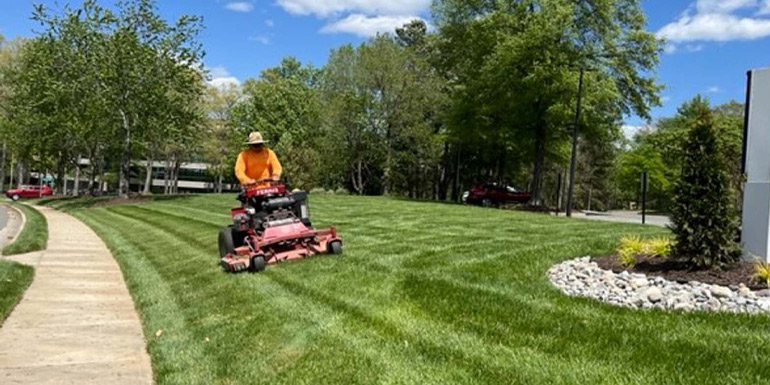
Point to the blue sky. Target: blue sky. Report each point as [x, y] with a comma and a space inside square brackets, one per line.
[711, 43]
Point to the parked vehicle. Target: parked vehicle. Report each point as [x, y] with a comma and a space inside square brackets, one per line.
[493, 194]
[28, 191]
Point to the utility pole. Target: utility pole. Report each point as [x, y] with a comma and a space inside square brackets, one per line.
[573, 157]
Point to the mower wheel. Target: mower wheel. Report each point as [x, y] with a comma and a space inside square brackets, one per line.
[334, 247]
[257, 263]
[226, 245]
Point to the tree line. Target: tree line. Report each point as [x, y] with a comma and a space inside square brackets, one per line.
[487, 94]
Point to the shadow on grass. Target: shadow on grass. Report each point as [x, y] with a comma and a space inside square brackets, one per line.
[85, 202]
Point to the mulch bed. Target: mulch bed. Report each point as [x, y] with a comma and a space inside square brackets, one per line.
[682, 272]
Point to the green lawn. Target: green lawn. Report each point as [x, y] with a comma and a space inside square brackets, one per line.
[14, 279]
[34, 235]
[424, 294]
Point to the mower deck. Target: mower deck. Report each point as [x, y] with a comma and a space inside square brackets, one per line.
[273, 227]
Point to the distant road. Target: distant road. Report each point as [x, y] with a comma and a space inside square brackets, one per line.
[626, 217]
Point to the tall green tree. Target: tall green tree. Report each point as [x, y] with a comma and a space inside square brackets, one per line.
[703, 218]
[283, 104]
[517, 65]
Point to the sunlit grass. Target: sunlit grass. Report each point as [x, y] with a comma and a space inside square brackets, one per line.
[424, 294]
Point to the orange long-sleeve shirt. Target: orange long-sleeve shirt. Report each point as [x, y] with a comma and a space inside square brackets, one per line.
[253, 165]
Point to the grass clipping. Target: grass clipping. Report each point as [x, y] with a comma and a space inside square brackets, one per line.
[34, 235]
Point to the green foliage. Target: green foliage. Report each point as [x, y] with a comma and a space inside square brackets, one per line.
[703, 218]
[34, 235]
[106, 85]
[283, 104]
[659, 150]
[14, 280]
[517, 66]
[630, 247]
[660, 247]
[762, 271]
[382, 106]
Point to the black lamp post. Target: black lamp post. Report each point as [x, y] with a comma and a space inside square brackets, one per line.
[573, 157]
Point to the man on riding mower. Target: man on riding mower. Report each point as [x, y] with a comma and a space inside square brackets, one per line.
[257, 163]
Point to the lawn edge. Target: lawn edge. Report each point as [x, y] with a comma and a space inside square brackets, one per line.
[26, 231]
[28, 276]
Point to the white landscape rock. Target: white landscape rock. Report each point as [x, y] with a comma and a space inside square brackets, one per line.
[583, 278]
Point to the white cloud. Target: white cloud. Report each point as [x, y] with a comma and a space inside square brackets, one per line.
[694, 47]
[715, 27]
[270, 23]
[240, 6]
[669, 48]
[631, 130]
[366, 26]
[713, 90]
[221, 78]
[720, 21]
[765, 8]
[723, 6]
[328, 8]
[264, 39]
[665, 99]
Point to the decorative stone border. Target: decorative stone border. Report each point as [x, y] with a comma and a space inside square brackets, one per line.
[582, 278]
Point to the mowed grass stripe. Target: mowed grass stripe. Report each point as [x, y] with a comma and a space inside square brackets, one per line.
[389, 313]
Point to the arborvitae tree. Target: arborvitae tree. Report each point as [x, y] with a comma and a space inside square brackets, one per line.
[703, 217]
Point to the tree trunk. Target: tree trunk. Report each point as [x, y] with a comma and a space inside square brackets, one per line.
[219, 183]
[125, 162]
[60, 175]
[537, 172]
[2, 170]
[166, 176]
[177, 166]
[357, 179]
[40, 182]
[10, 171]
[456, 182]
[19, 174]
[148, 176]
[64, 182]
[76, 185]
[102, 183]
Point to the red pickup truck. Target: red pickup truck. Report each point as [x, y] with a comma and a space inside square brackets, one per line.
[28, 192]
[491, 194]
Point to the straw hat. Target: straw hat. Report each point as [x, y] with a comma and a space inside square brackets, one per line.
[255, 138]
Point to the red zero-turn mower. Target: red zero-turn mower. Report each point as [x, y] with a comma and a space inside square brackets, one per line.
[272, 225]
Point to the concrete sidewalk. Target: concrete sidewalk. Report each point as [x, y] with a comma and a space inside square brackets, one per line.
[76, 323]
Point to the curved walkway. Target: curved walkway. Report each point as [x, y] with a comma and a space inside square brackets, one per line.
[76, 323]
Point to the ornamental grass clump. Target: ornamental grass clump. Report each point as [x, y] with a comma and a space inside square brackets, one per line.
[632, 247]
[762, 272]
[659, 247]
[703, 219]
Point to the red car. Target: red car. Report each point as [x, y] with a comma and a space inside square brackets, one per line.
[492, 194]
[28, 192]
